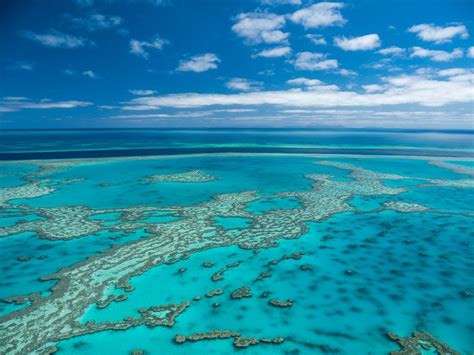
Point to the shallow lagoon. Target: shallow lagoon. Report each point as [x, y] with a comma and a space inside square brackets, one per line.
[372, 271]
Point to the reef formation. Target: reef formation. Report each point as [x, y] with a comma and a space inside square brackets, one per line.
[51, 318]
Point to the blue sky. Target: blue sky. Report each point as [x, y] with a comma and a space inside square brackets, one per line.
[230, 63]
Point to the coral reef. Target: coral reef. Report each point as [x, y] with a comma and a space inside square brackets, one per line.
[282, 304]
[420, 341]
[239, 340]
[404, 207]
[294, 256]
[44, 321]
[190, 176]
[219, 275]
[241, 293]
[215, 292]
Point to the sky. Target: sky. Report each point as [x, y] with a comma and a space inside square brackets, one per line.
[237, 63]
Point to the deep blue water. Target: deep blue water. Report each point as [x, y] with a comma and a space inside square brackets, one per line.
[87, 143]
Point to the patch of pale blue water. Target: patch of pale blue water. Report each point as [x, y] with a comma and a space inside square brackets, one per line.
[101, 216]
[6, 308]
[232, 222]
[264, 205]
[8, 220]
[368, 203]
[159, 217]
[408, 272]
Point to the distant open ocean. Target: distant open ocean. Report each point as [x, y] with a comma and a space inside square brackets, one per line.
[49, 144]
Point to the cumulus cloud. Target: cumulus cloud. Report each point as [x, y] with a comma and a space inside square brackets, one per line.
[142, 92]
[457, 74]
[397, 90]
[393, 50]
[56, 39]
[437, 34]
[312, 84]
[139, 47]
[316, 39]
[314, 61]
[304, 82]
[470, 52]
[347, 72]
[274, 52]
[436, 55]
[12, 103]
[362, 43]
[90, 74]
[260, 27]
[241, 84]
[95, 22]
[372, 88]
[323, 14]
[199, 63]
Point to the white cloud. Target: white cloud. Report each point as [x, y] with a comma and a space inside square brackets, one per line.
[437, 34]
[436, 55]
[56, 39]
[393, 50]
[457, 74]
[362, 43]
[142, 92]
[90, 74]
[397, 90]
[281, 2]
[21, 66]
[372, 88]
[470, 52]
[453, 71]
[316, 39]
[274, 52]
[199, 63]
[139, 47]
[304, 82]
[182, 114]
[266, 72]
[241, 84]
[347, 72]
[312, 84]
[259, 27]
[323, 14]
[95, 22]
[314, 61]
[10, 104]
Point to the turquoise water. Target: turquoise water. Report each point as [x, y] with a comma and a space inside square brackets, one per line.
[329, 305]
[371, 270]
